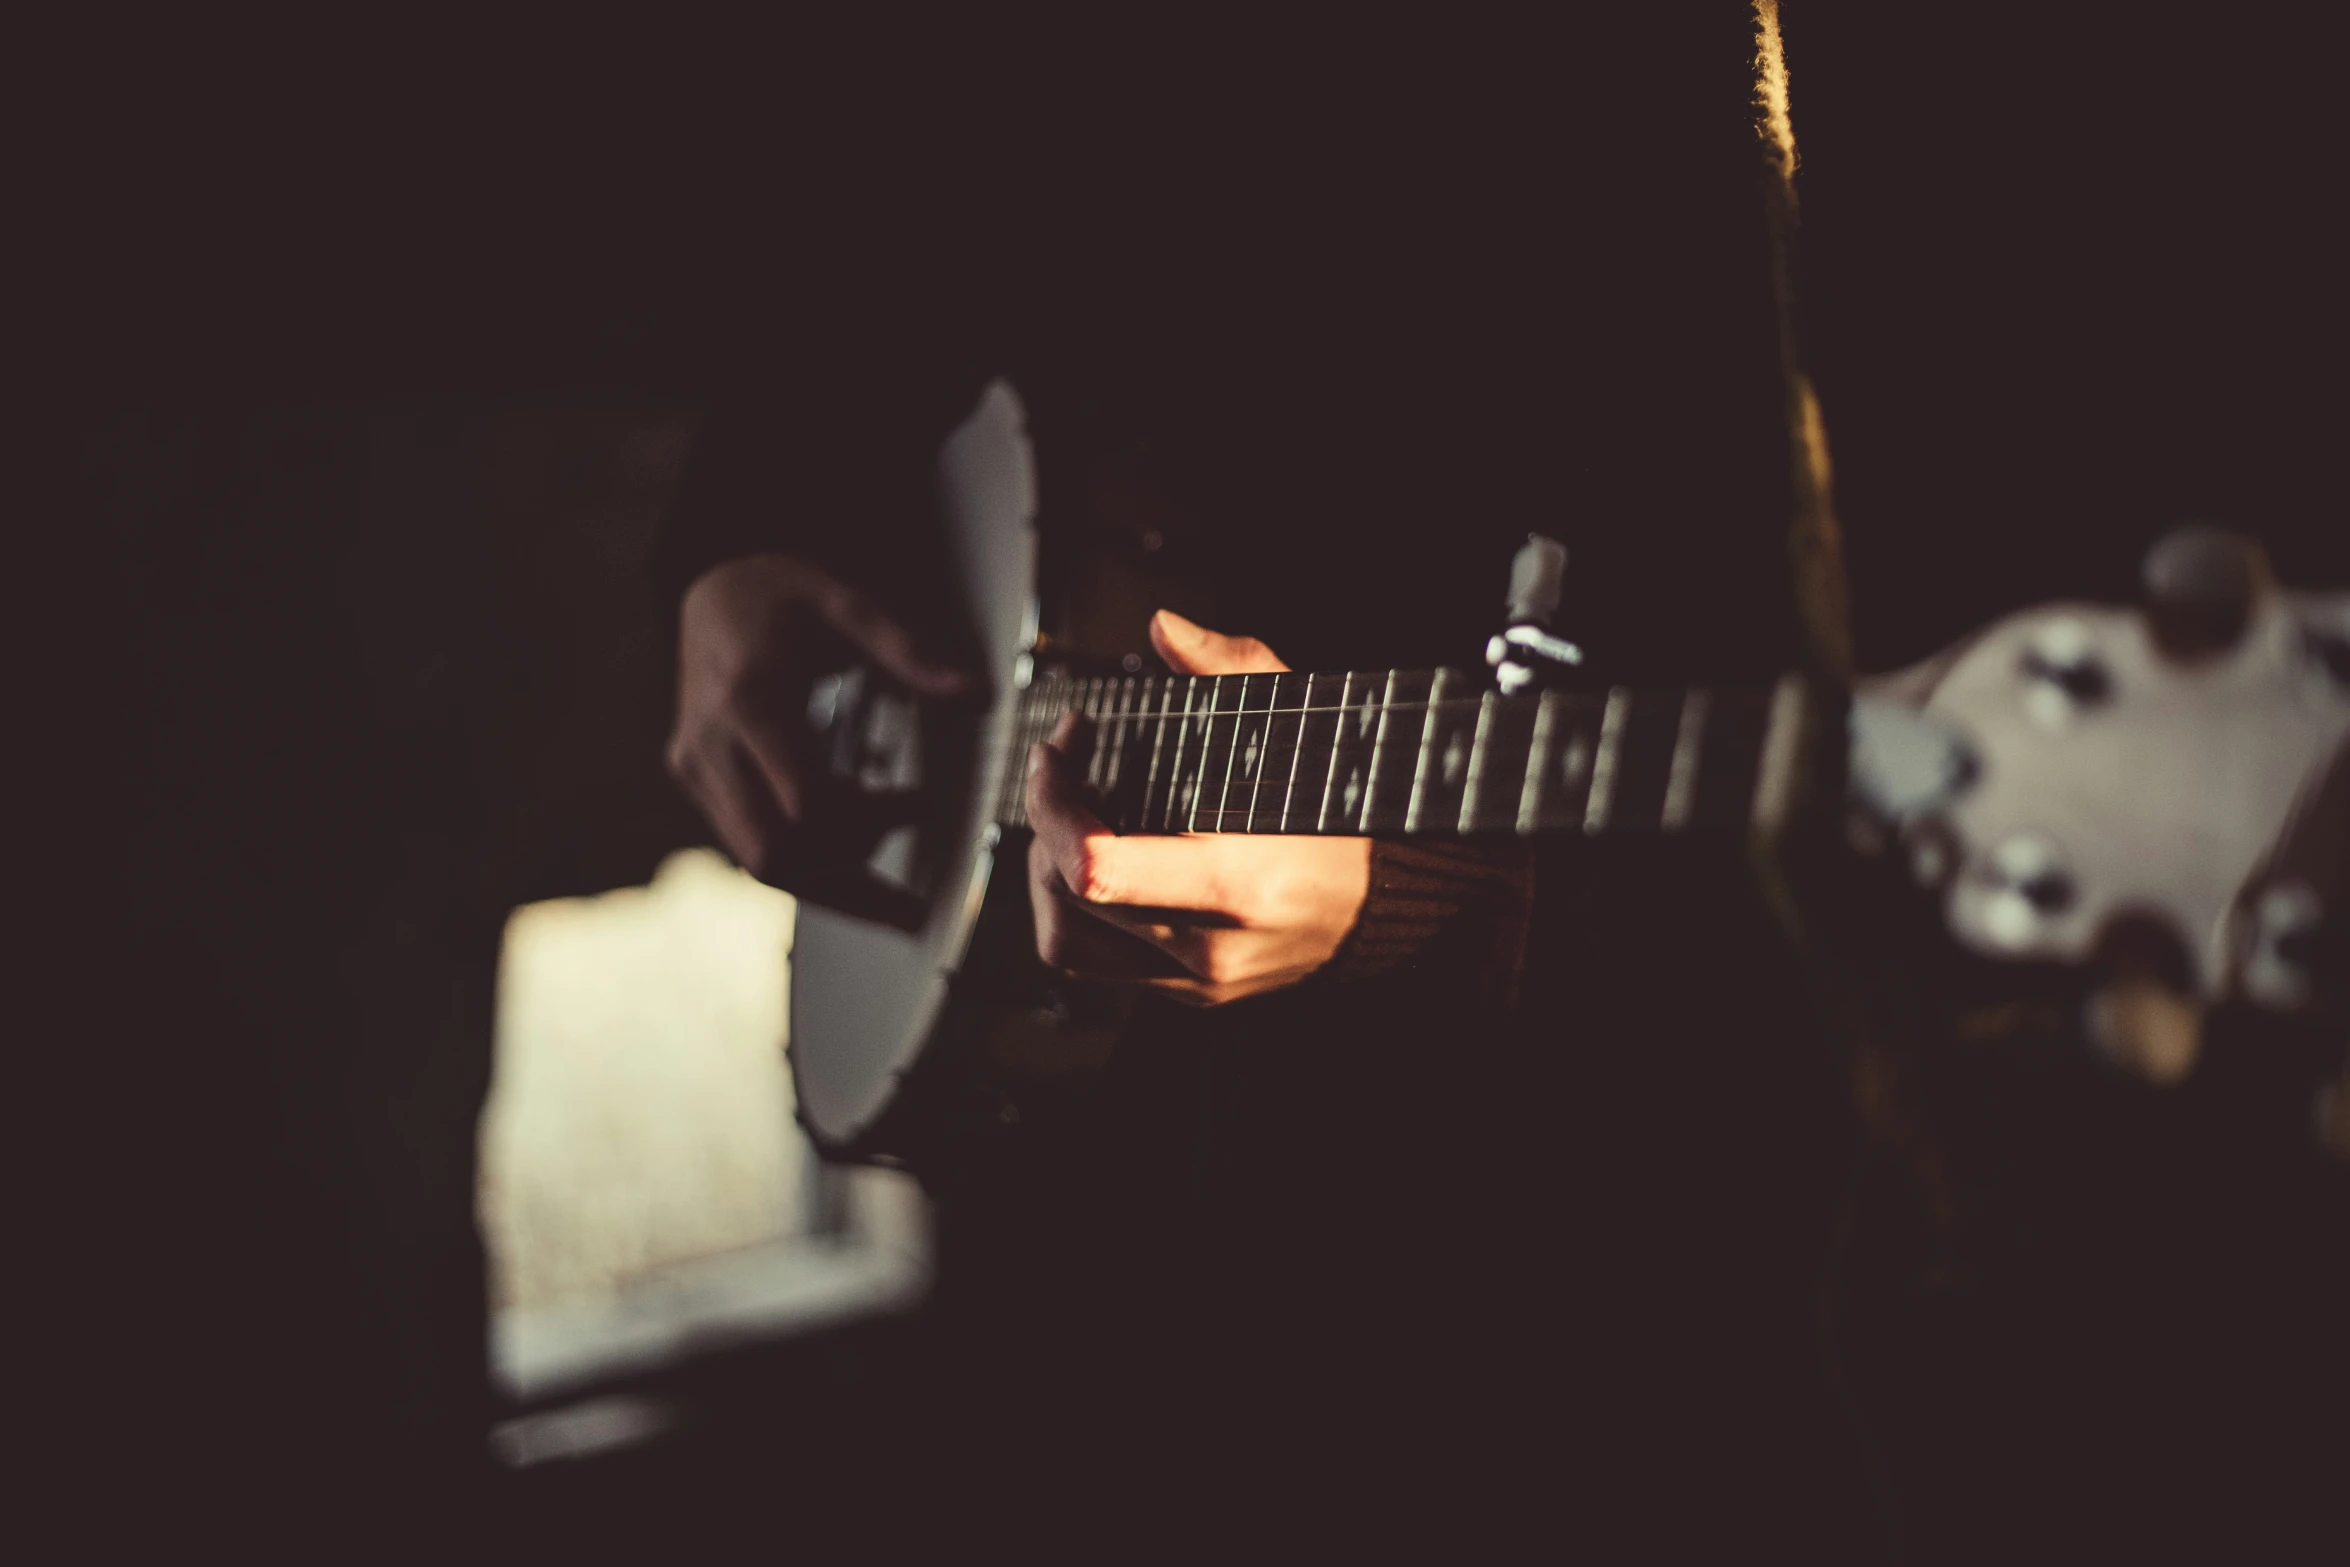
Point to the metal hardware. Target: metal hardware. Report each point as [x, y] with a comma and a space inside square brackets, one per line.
[1525, 651]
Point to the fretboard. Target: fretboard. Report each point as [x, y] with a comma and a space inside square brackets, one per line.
[1412, 752]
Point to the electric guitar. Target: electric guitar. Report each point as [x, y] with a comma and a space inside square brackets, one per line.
[2154, 802]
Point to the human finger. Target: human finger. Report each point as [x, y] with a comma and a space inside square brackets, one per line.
[1098, 866]
[1192, 649]
[1072, 736]
[1069, 937]
[775, 759]
[886, 642]
[727, 787]
[1196, 967]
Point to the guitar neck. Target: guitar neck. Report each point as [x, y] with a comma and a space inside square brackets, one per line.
[1414, 752]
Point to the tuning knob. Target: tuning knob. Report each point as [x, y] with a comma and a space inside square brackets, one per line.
[2145, 1016]
[2281, 934]
[2202, 585]
[2028, 888]
[2065, 673]
[1522, 654]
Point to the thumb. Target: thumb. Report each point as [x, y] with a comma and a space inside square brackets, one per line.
[1195, 650]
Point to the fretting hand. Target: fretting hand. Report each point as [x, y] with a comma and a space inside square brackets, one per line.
[1207, 917]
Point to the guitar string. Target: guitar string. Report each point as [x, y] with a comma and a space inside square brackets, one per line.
[1084, 694]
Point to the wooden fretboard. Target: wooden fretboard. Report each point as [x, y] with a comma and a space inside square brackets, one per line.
[1413, 751]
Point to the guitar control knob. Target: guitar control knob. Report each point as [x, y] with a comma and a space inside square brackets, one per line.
[2145, 1017]
[1524, 653]
[2280, 946]
[2202, 585]
[2064, 673]
[2329, 651]
[2031, 887]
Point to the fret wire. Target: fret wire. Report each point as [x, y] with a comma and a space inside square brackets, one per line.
[1337, 750]
[1090, 704]
[1175, 763]
[1473, 786]
[1137, 715]
[1098, 772]
[1150, 780]
[1207, 743]
[1297, 756]
[1203, 736]
[1119, 701]
[1264, 760]
[1232, 754]
[1681, 777]
[1387, 710]
[1774, 783]
[1146, 691]
[1603, 764]
[1271, 751]
[1424, 764]
[1114, 708]
[1231, 751]
[1539, 751]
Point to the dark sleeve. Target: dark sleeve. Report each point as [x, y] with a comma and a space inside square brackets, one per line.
[1457, 911]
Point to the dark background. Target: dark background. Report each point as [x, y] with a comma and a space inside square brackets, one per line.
[2069, 275]
[2068, 278]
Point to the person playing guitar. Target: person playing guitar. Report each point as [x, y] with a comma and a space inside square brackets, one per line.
[1192, 1272]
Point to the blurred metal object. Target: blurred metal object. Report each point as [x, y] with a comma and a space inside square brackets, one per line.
[2176, 769]
[2278, 967]
[585, 1429]
[2145, 1016]
[1905, 763]
[2012, 894]
[1525, 651]
[2064, 674]
[1537, 577]
[2147, 1028]
[2159, 785]
[2202, 586]
[871, 731]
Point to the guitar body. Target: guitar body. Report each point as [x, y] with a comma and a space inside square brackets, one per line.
[909, 1038]
[867, 996]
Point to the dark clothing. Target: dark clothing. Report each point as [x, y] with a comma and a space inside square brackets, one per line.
[1312, 1249]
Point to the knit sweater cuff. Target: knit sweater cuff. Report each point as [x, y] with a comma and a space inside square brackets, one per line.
[1455, 909]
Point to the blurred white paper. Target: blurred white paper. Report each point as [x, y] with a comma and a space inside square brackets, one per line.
[643, 1185]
